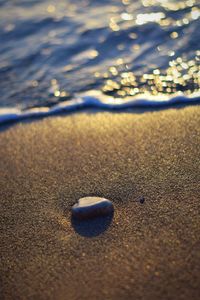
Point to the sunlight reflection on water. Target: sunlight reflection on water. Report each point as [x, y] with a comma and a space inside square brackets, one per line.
[53, 51]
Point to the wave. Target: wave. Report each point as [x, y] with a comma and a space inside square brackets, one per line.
[99, 101]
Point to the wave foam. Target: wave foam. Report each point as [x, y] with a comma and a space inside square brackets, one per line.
[95, 99]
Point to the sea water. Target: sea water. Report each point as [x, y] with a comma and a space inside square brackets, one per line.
[66, 55]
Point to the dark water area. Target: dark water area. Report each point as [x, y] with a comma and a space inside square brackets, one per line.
[55, 51]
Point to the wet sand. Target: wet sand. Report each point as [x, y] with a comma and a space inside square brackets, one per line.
[147, 251]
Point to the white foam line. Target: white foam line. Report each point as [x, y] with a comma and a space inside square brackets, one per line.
[93, 99]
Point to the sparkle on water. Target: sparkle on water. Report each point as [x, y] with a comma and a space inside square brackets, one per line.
[123, 48]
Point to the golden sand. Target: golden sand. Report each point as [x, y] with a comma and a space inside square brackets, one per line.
[149, 251]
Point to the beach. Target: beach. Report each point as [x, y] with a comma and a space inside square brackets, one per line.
[148, 250]
[99, 150]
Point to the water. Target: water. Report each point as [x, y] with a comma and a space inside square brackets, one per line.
[63, 55]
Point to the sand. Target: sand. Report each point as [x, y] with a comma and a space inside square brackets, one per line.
[147, 251]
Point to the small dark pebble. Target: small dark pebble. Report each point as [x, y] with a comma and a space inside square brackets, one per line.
[142, 199]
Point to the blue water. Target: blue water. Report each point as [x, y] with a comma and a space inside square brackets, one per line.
[63, 55]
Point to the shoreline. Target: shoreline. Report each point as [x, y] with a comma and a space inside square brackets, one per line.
[96, 101]
[148, 251]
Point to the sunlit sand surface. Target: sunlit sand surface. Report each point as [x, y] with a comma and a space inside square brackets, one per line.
[147, 251]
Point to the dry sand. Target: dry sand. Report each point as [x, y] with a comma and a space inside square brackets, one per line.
[149, 251]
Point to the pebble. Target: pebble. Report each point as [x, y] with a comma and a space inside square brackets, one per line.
[142, 199]
[90, 207]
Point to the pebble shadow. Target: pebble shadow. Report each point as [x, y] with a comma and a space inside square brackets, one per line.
[92, 227]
